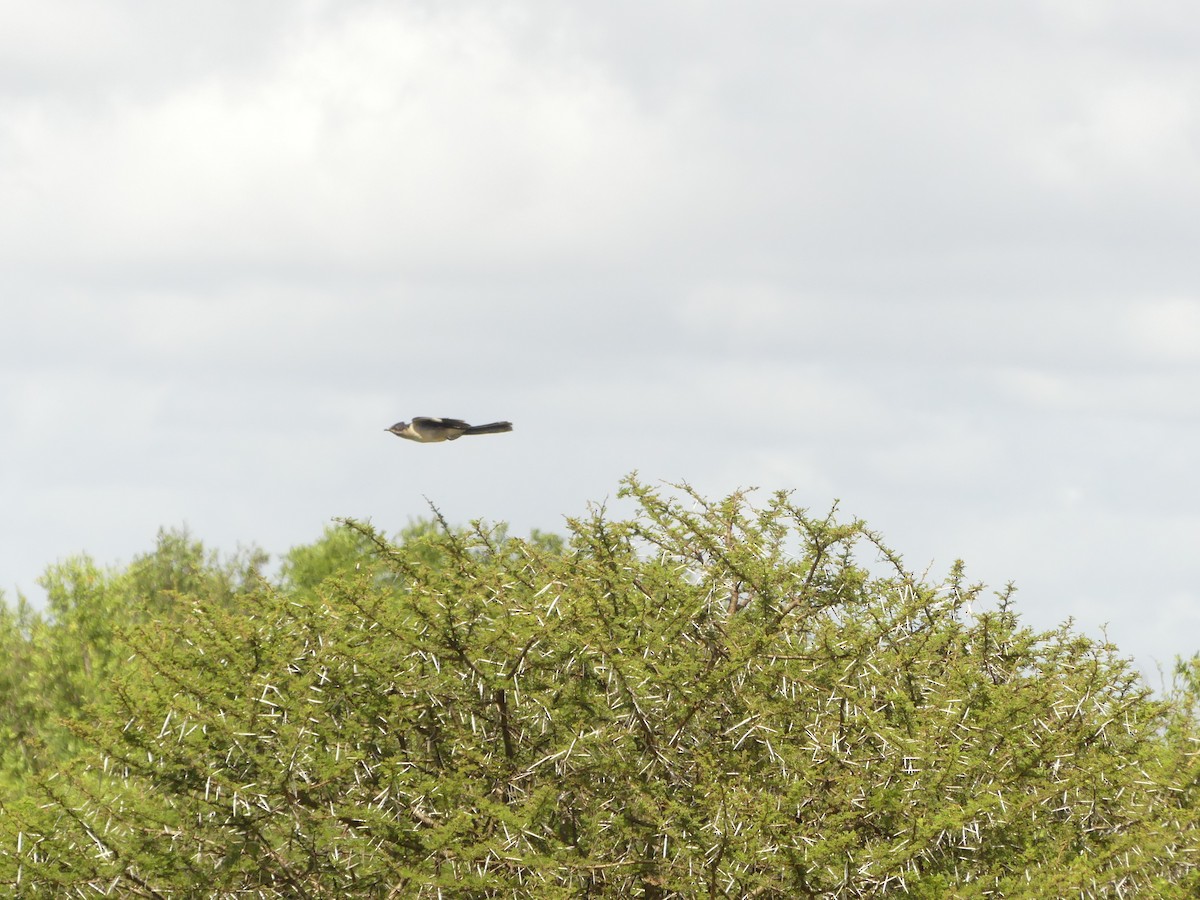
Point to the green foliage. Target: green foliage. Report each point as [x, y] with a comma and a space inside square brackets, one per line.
[19, 701]
[61, 660]
[339, 551]
[180, 567]
[708, 699]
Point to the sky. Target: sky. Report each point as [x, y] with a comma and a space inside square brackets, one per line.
[933, 260]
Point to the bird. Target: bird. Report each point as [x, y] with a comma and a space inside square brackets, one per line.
[431, 429]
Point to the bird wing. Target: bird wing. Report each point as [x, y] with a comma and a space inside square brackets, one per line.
[435, 422]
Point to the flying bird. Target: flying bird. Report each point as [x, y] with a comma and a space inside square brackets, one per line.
[430, 429]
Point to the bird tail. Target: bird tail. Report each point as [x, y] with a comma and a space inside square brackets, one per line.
[490, 428]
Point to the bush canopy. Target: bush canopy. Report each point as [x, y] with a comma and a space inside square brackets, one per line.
[706, 699]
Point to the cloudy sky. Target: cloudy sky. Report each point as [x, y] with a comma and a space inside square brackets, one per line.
[935, 259]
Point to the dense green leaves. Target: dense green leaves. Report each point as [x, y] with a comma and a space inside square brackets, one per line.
[56, 662]
[708, 699]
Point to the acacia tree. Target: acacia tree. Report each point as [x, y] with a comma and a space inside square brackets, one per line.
[706, 699]
[55, 662]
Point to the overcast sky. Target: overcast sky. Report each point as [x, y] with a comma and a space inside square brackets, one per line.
[936, 259]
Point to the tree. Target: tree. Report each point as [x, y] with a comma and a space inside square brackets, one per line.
[708, 699]
[340, 551]
[59, 661]
[20, 705]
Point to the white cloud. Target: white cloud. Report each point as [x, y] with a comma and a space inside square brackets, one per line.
[774, 145]
[391, 139]
[1167, 331]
